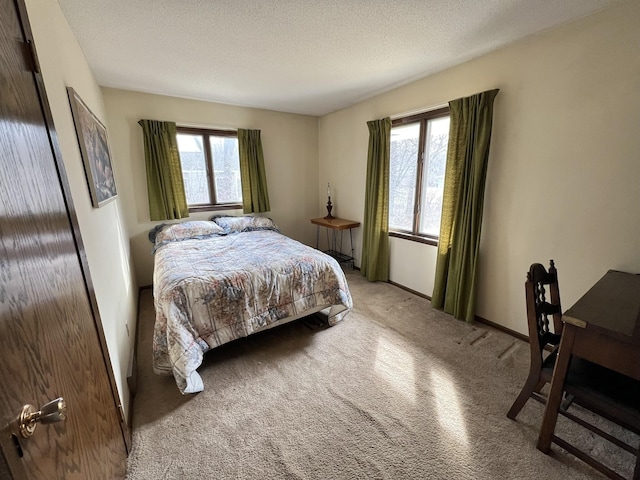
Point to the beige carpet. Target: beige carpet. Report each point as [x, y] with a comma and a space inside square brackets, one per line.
[395, 391]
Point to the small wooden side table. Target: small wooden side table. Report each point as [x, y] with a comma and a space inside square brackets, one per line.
[337, 227]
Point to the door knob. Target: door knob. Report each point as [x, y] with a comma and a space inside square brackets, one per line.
[52, 412]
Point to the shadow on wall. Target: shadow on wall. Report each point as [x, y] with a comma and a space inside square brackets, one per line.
[142, 258]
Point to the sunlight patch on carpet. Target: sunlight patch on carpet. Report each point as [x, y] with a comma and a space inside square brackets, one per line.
[396, 366]
[450, 414]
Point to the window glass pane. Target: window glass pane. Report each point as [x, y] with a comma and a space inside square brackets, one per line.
[194, 168]
[402, 176]
[437, 140]
[226, 169]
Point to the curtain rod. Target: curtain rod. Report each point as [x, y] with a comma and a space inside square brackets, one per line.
[207, 127]
[417, 111]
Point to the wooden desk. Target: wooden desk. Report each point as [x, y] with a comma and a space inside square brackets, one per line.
[335, 243]
[602, 327]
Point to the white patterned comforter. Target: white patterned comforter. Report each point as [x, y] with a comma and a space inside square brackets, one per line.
[210, 291]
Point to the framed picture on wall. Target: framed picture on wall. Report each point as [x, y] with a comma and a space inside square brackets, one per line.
[94, 148]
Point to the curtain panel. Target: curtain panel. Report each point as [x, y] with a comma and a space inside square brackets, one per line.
[467, 158]
[255, 195]
[375, 237]
[165, 185]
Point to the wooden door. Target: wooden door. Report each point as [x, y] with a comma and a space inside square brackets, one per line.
[50, 341]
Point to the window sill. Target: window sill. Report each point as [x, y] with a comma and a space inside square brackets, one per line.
[214, 208]
[415, 238]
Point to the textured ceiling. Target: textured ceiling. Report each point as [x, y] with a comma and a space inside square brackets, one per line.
[298, 56]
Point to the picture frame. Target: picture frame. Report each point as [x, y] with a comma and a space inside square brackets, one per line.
[94, 149]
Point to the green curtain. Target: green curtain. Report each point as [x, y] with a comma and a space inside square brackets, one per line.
[167, 198]
[255, 196]
[467, 158]
[375, 227]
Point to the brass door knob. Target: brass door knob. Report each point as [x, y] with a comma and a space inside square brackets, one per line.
[52, 412]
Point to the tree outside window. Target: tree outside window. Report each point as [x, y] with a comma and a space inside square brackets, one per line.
[416, 181]
[210, 168]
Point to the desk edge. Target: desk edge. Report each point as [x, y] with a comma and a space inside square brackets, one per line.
[574, 321]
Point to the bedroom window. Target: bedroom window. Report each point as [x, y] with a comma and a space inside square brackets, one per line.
[416, 181]
[210, 168]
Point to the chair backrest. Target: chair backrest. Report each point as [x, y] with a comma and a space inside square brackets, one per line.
[543, 300]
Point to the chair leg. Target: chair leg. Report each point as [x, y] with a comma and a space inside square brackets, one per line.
[533, 384]
[568, 400]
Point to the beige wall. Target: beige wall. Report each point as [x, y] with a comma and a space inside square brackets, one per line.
[103, 231]
[290, 145]
[564, 164]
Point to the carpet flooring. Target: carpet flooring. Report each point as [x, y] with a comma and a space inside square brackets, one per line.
[395, 391]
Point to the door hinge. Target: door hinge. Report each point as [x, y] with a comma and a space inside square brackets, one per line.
[121, 412]
[30, 57]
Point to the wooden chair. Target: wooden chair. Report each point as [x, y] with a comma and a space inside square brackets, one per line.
[541, 338]
[602, 391]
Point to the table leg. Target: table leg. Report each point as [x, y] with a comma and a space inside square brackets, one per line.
[351, 245]
[317, 237]
[557, 387]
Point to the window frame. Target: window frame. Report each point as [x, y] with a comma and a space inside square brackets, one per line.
[423, 119]
[206, 133]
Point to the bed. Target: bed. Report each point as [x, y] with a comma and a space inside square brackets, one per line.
[216, 281]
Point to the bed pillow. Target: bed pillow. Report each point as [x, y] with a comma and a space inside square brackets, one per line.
[154, 231]
[245, 223]
[184, 231]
